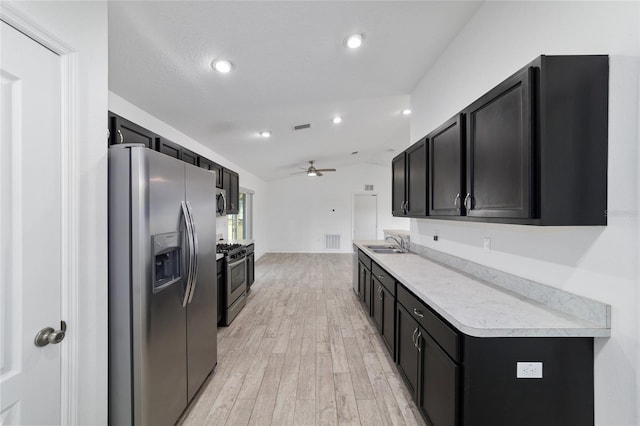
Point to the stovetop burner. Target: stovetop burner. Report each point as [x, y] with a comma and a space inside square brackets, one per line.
[231, 251]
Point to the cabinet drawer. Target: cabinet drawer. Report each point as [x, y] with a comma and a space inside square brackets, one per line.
[442, 333]
[364, 259]
[384, 277]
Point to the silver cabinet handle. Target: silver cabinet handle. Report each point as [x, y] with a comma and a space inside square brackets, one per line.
[121, 137]
[406, 207]
[413, 338]
[380, 293]
[49, 335]
[456, 201]
[418, 341]
[467, 201]
[380, 276]
[418, 313]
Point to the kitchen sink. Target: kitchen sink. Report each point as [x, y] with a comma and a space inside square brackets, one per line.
[381, 246]
[387, 250]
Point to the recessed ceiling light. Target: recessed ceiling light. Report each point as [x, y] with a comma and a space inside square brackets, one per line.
[265, 133]
[337, 120]
[222, 66]
[406, 111]
[354, 41]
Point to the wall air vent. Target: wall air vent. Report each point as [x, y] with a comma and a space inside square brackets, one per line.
[302, 126]
[368, 187]
[332, 241]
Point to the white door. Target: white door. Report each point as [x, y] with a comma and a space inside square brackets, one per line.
[365, 213]
[31, 229]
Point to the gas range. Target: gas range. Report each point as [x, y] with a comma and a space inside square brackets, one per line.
[231, 251]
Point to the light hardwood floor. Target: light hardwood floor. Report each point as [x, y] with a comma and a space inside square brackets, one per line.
[303, 352]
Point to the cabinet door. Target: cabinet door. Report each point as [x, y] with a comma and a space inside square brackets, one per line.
[377, 306]
[124, 131]
[499, 151]
[398, 178]
[189, 156]
[416, 183]
[439, 378]
[407, 356]
[230, 184]
[446, 169]
[218, 169]
[365, 288]
[168, 148]
[250, 269]
[388, 321]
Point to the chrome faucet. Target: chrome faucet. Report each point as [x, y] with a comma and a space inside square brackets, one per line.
[400, 242]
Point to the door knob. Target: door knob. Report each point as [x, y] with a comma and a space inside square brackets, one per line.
[49, 335]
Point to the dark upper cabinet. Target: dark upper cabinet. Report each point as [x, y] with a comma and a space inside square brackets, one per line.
[122, 130]
[168, 148]
[499, 150]
[230, 182]
[189, 157]
[416, 163]
[210, 165]
[176, 151]
[532, 151]
[447, 168]
[409, 186]
[398, 178]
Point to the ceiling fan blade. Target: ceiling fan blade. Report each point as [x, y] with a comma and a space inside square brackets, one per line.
[325, 170]
[298, 173]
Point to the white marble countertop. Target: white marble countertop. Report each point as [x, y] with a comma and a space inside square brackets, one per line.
[478, 308]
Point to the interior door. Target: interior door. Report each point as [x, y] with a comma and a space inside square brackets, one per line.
[30, 228]
[365, 214]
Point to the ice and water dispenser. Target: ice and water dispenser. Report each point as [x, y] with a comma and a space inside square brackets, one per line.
[166, 260]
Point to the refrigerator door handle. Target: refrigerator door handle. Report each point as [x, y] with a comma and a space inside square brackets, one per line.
[194, 236]
[190, 250]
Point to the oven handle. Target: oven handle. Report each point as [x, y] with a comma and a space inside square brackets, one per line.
[236, 263]
[194, 236]
[190, 250]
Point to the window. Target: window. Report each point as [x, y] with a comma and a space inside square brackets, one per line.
[240, 225]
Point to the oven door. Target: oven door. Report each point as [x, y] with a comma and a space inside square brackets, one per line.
[236, 279]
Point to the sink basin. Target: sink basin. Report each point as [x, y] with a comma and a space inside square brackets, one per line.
[387, 250]
[381, 246]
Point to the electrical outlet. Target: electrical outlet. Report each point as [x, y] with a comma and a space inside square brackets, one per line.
[529, 370]
[436, 235]
[486, 245]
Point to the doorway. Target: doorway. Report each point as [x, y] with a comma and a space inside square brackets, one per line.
[365, 216]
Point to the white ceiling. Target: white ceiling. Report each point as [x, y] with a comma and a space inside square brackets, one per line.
[291, 68]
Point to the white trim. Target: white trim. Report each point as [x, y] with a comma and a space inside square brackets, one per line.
[69, 193]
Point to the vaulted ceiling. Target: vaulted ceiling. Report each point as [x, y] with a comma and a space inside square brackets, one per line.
[290, 68]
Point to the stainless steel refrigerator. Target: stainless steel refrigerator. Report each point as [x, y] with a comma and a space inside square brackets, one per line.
[162, 284]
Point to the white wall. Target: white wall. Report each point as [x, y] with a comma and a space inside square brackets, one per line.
[131, 112]
[302, 209]
[597, 262]
[83, 27]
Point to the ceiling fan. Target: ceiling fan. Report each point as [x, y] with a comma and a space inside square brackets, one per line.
[312, 171]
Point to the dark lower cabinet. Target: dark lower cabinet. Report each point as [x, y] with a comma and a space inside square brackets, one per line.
[365, 287]
[407, 351]
[221, 288]
[439, 377]
[388, 330]
[251, 268]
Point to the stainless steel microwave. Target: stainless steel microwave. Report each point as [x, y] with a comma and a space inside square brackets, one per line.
[221, 202]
